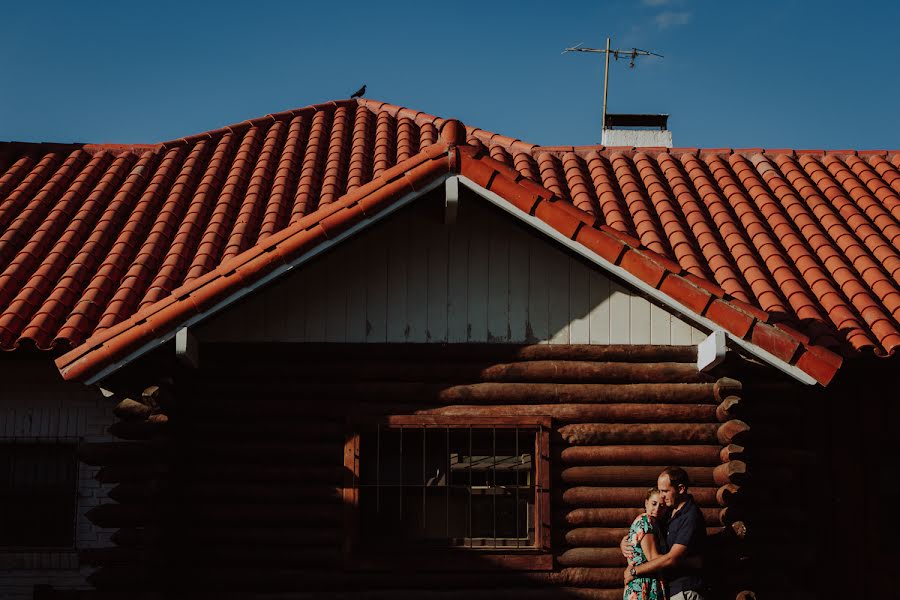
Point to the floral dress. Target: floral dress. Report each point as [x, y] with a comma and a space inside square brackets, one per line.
[642, 588]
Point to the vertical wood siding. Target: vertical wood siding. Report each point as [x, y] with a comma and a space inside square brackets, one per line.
[484, 279]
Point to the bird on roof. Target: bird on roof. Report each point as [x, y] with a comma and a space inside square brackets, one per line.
[359, 93]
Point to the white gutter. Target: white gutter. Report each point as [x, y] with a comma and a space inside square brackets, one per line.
[646, 289]
[271, 276]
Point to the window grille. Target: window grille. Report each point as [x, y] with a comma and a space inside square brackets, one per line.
[38, 492]
[448, 483]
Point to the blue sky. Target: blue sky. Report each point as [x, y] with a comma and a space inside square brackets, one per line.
[768, 74]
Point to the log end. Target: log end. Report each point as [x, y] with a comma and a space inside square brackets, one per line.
[728, 408]
[733, 431]
[725, 387]
[728, 494]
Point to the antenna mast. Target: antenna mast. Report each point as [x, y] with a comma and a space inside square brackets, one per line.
[630, 54]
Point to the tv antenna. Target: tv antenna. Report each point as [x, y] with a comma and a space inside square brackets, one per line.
[631, 55]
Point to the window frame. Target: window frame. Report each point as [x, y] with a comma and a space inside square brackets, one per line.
[532, 558]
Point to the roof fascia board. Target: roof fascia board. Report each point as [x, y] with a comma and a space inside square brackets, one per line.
[636, 283]
[271, 276]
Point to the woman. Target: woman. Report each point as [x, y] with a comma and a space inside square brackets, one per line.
[642, 537]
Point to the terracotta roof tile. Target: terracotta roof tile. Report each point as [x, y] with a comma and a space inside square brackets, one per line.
[91, 236]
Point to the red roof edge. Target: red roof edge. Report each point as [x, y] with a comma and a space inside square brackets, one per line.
[165, 316]
[704, 298]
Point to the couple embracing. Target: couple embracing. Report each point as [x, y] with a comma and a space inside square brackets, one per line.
[665, 543]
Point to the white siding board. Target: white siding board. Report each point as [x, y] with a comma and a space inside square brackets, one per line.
[437, 305]
[579, 303]
[479, 279]
[640, 320]
[498, 286]
[518, 285]
[356, 296]
[417, 284]
[415, 279]
[398, 256]
[376, 287]
[619, 314]
[697, 336]
[538, 292]
[660, 326]
[558, 307]
[316, 308]
[458, 285]
[681, 332]
[336, 284]
[598, 300]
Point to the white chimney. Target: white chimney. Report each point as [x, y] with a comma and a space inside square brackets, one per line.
[637, 131]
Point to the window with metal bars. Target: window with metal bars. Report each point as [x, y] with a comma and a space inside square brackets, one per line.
[38, 493]
[450, 483]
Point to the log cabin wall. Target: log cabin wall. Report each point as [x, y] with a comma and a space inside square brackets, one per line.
[413, 279]
[232, 483]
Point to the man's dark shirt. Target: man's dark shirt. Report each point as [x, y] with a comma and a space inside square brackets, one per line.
[687, 528]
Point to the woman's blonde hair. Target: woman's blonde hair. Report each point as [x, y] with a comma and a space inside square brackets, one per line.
[650, 493]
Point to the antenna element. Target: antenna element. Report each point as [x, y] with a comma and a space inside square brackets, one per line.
[630, 54]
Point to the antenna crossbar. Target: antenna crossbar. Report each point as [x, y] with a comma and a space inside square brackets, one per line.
[615, 53]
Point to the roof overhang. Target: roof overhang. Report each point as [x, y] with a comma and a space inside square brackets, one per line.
[748, 329]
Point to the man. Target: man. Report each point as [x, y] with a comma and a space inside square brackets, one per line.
[685, 536]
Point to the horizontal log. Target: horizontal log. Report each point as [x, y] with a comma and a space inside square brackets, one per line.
[240, 492]
[113, 556]
[641, 455]
[135, 453]
[231, 354]
[595, 537]
[566, 413]
[219, 555]
[631, 475]
[222, 473]
[136, 515]
[768, 456]
[592, 557]
[119, 453]
[131, 410]
[271, 580]
[139, 430]
[607, 537]
[271, 453]
[596, 434]
[536, 371]
[158, 418]
[132, 473]
[621, 517]
[210, 428]
[613, 497]
[273, 536]
[123, 515]
[305, 399]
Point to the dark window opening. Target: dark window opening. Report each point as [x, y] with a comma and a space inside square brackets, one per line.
[38, 493]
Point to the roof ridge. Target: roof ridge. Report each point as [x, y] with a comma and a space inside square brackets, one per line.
[243, 126]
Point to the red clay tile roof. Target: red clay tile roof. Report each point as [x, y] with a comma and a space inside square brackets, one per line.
[795, 251]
